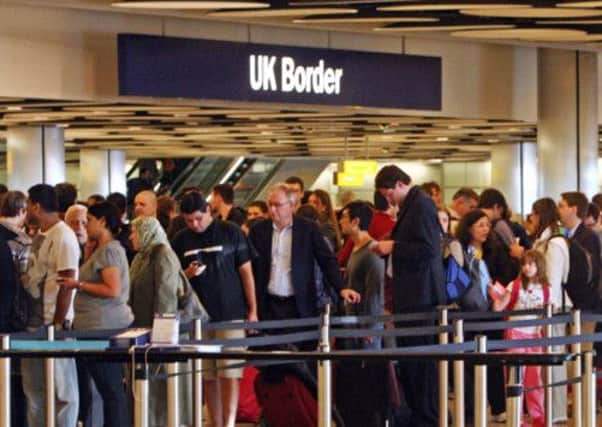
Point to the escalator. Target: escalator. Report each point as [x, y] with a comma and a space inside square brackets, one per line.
[248, 176]
[202, 173]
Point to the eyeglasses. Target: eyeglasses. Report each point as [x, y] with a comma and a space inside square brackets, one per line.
[277, 205]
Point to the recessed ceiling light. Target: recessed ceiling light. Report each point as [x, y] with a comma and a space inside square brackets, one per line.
[281, 12]
[447, 6]
[442, 139]
[538, 34]
[571, 22]
[441, 28]
[363, 20]
[14, 108]
[190, 4]
[594, 3]
[535, 12]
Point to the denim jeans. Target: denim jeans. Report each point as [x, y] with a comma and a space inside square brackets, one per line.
[66, 392]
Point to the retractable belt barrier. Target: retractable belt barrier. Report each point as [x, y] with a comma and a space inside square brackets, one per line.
[92, 345]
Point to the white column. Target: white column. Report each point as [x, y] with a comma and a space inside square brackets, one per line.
[34, 155]
[513, 171]
[567, 141]
[102, 172]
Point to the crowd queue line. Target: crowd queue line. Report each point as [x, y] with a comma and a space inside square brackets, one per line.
[84, 265]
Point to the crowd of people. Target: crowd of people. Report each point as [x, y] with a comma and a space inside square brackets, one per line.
[87, 265]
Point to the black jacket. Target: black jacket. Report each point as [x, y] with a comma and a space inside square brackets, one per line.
[8, 279]
[590, 242]
[418, 276]
[307, 245]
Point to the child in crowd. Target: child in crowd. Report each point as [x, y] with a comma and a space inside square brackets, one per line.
[528, 291]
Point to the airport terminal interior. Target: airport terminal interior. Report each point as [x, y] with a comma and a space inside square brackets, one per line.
[244, 94]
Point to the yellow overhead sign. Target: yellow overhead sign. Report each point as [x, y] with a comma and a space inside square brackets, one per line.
[343, 179]
[360, 167]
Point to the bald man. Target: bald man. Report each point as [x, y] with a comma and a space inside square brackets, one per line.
[76, 218]
[145, 204]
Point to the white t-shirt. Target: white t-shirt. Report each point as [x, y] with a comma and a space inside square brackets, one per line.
[58, 251]
[528, 299]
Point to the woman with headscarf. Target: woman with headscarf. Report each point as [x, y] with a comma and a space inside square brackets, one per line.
[155, 278]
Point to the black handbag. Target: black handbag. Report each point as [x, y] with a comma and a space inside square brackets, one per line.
[473, 299]
[189, 305]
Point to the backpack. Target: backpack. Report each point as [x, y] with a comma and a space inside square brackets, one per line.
[579, 285]
[18, 316]
[462, 284]
[516, 285]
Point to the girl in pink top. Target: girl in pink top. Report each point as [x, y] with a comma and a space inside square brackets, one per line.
[528, 291]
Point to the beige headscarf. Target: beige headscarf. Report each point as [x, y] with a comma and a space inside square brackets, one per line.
[150, 234]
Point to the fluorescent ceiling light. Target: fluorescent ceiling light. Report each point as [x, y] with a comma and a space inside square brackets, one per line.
[447, 6]
[539, 34]
[434, 28]
[281, 12]
[190, 4]
[363, 20]
[571, 22]
[595, 3]
[535, 12]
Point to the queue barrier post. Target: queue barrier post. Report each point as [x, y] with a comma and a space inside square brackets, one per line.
[589, 390]
[443, 372]
[173, 415]
[141, 395]
[197, 380]
[5, 384]
[575, 372]
[480, 385]
[514, 396]
[325, 373]
[548, 372]
[458, 377]
[50, 370]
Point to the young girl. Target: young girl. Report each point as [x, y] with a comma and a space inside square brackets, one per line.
[528, 291]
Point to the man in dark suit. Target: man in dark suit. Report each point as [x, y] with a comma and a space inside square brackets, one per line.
[418, 282]
[287, 246]
[572, 209]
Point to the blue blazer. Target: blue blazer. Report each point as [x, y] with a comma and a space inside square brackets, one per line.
[307, 245]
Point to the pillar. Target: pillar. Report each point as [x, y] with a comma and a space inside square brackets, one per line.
[102, 172]
[34, 155]
[567, 136]
[513, 168]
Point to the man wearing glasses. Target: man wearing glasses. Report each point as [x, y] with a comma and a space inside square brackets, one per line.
[284, 268]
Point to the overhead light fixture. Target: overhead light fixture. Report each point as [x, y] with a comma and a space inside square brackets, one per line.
[536, 34]
[281, 12]
[440, 28]
[190, 4]
[571, 22]
[419, 7]
[594, 3]
[534, 12]
[364, 20]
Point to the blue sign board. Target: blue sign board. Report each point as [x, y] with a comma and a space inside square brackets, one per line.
[207, 69]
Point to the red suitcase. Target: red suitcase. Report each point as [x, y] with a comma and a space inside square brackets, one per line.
[286, 403]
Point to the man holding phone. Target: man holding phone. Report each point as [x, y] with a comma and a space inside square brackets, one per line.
[216, 259]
